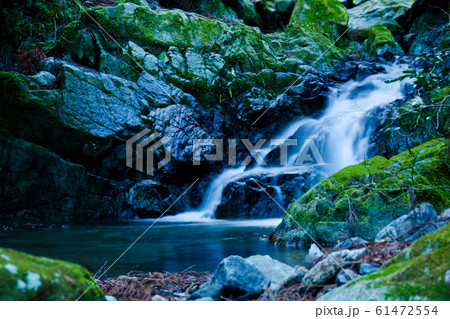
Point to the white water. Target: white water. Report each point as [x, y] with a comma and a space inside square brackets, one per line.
[340, 133]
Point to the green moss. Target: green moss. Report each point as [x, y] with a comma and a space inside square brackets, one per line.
[380, 41]
[27, 277]
[419, 271]
[376, 189]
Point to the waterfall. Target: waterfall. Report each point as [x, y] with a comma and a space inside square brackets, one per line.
[340, 133]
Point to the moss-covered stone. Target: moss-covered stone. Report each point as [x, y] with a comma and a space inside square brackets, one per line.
[27, 277]
[377, 191]
[381, 43]
[373, 12]
[420, 272]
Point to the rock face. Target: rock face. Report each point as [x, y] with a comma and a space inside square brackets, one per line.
[323, 210]
[242, 279]
[38, 185]
[248, 197]
[180, 73]
[25, 277]
[417, 273]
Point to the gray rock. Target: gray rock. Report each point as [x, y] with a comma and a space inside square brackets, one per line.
[349, 242]
[315, 251]
[296, 277]
[345, 275]
[99, 103]
[327, 268]
[239, 279]
[275, 271]
[43, 78]
[447, 277]
[404, 224]
[366, 268]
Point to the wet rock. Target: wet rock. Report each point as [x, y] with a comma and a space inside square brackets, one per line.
[245, 198]
[366, 268]
[246, 11]
[146, 198]
[381, 44]
[327, 268]
[49, 188]
[345, 275]
[404, 224]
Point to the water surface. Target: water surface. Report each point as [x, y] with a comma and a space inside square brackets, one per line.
[167, 246]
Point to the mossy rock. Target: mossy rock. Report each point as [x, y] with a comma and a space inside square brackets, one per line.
[27, 277]
[420, 272]
[381, 44]
[377, 191]
[384, 12]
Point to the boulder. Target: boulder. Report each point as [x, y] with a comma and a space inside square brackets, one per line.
[246, 11]
[275, 271]
[381, 44]
[424, 213]
[25, 277]
[327, 268]
[146, 198]
[242, 279]
[373, 12]
[418, 273]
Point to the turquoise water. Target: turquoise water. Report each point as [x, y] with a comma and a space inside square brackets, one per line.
[167, 246]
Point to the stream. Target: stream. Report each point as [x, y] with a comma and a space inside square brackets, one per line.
[195, 238]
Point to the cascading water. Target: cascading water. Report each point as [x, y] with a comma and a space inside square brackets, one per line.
[341, 134]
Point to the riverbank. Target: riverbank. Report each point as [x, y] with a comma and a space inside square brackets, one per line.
[323, 272]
